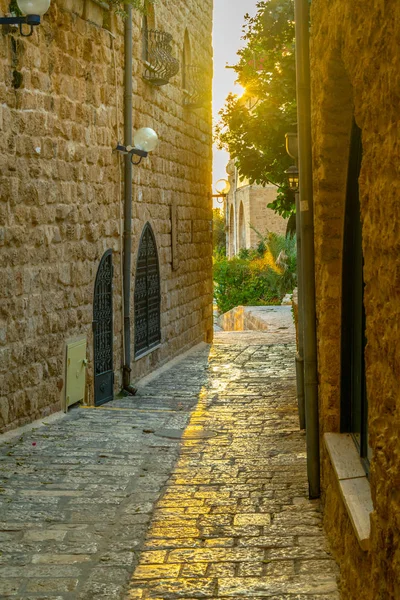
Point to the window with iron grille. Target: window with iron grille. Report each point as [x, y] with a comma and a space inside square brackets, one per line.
[147, 295]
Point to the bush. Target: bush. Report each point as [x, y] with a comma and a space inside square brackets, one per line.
[255, 278]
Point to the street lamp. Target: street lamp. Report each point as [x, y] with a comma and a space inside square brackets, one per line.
[292, 148]
[145, 140]
[32, 11]
[293, 177]
[222, 188]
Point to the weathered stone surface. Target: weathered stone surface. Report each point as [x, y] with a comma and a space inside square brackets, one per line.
[60, 194]
[260, 537]
[171, 532]
[355, 72]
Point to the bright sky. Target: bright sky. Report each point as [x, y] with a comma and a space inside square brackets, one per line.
[228, 22]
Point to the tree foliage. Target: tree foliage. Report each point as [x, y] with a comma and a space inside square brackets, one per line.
[252, 127]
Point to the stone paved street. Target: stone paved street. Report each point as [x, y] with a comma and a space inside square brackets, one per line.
[117, 503]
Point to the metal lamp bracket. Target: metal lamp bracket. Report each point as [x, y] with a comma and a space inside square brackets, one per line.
[31, 20]
[132, 151]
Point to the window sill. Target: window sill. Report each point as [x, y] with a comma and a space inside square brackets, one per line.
[147, 352]
[353, 484]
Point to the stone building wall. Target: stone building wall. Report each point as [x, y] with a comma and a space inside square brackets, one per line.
[355, 66]
[255, 200]
[61, 205]
[264, 219]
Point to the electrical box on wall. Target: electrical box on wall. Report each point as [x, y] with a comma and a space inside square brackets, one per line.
[76, 363]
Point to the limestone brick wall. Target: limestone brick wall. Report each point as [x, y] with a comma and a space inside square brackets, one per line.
[355, 71]
[264, 219]
[255, 200]
[61, 114]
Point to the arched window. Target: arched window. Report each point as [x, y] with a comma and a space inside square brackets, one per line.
[186, 60]
[103, 331]
[231, 232]
[147, 295]
[242, 228]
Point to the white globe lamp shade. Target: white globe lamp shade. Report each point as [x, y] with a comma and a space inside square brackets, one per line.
[145, 139]
[33, 7]
[222, 186]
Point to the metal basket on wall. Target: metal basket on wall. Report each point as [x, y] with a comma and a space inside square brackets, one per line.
[195, 84]
[160, 65]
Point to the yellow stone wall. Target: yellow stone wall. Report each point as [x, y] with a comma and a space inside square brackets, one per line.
[355, 65]
[61, 114]
[255, 200]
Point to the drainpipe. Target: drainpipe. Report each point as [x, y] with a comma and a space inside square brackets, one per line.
[128, 109]
[307, 236]
[300, 321]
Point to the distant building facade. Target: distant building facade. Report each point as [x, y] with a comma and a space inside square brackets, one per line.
[247, 215]
[61, 201]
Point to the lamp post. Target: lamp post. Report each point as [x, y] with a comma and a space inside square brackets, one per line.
[145, 140]
[293, 179]
[31, 10]
[222, 187]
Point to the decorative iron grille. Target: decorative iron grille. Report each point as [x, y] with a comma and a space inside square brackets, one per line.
[103, 331]
[160, 65]
[195, 87]
[147, 295]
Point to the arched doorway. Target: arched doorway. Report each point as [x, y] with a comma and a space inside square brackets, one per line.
[103, 332]
[147, 295]
[242, 228]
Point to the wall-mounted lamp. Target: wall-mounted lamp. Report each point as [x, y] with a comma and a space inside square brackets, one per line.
[32, 11]
[292, 145]
[145, 140]
[292, 174]
[222, 188]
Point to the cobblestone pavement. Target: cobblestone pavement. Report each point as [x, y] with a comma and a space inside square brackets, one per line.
[195, 488]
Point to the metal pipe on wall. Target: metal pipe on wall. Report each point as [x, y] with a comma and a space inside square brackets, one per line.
[127, 265]
[300, 321]
[307, 235]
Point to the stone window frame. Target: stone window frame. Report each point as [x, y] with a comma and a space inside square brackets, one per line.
[335, 113]
[353, 407]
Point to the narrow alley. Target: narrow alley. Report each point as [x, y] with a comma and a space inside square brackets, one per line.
[196, 488]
